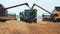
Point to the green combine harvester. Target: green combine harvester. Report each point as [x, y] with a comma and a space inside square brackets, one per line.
[29, 15]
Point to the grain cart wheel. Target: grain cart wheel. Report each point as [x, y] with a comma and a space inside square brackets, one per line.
[35, 20]
[30, 20]
[53, 20]
[21, 19]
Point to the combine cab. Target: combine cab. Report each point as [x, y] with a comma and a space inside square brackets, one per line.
[29, 15]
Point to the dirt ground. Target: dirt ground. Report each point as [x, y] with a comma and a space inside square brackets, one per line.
[19, 27]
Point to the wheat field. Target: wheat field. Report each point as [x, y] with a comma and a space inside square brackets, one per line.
[20, 27]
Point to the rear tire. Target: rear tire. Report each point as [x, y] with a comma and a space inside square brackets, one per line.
[21, 19]
[53, 20]
[30, 21]
[35, 20]
[2, 20]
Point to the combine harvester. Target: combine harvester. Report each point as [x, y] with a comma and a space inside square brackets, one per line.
[4, 14]
[54, 17]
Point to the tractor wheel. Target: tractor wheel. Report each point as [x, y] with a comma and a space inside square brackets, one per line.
[2, 20]
[35, 20]
[30, 21]
[21, 19]
[53, 20]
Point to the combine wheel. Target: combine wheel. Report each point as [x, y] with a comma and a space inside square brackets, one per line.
[35, 20]
[2, 20]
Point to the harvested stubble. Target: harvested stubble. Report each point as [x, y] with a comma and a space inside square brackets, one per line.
[19, 27]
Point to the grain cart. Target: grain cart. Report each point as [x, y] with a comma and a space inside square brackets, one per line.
[29, 15]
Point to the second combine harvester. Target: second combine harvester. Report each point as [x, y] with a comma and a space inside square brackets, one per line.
[54, 17]
[4, 14]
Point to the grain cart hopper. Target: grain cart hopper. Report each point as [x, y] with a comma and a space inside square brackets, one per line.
[55, 16]
[4, 14]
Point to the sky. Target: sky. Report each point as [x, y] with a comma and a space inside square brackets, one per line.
[47, 4]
